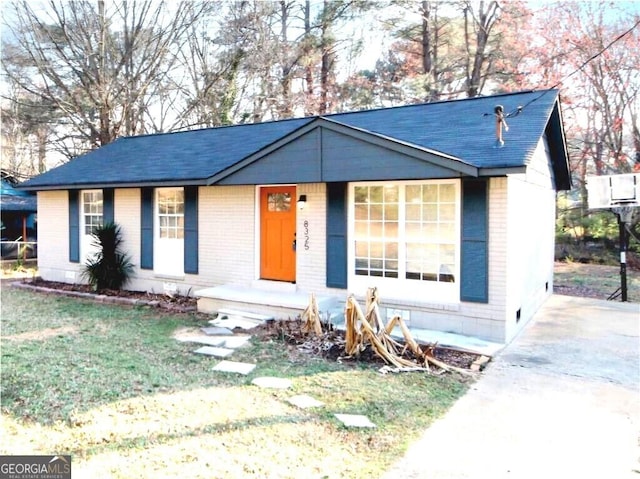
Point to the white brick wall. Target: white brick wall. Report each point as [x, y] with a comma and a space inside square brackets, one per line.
[311, 239]
[53, 238]
[540, 165]
[521, 227]
[485, 320]
[532, 200]
[126, 212]
[227, 226]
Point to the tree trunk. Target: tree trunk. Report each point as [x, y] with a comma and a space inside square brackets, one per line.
[426, 38]
[482, 26]
[286, 110]
[309, 65]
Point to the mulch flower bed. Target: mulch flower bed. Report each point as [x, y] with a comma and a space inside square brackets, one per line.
[331, 345]
[165, 301]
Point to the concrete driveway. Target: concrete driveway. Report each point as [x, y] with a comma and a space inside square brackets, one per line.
[561, 401]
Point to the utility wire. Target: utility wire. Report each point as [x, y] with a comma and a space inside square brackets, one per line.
[519, 109]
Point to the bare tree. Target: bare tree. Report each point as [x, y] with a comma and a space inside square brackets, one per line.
[449, 48]
[99, 64]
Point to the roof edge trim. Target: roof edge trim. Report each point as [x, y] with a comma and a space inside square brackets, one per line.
[89, 186]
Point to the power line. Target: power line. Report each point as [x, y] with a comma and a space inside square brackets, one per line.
[519, 109]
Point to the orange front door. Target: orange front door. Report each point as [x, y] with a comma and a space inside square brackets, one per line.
[278, 233]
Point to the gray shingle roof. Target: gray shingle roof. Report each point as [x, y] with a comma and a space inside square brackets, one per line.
[18, 203]
[460, 128]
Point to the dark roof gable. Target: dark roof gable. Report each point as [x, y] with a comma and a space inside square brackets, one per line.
[457, 130]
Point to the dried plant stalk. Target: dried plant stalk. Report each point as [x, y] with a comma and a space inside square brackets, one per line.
[363, 330]
[312, 316]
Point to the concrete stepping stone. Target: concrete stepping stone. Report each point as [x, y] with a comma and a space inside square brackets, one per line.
[235, 322]
[271, 382]
[354, 420]
[236, 341]
[234, 367]
[217, 352]
[217, 331]
[202, 340]
[303, 401]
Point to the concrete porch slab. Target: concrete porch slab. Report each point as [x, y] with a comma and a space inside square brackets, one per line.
[456, 341]
[269, 303]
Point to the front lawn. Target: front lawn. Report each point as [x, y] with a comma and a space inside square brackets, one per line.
[110, 385]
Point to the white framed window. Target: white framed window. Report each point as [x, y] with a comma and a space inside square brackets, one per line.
[171, 213]
[92, 210]
[169, 232]
[405, 239]
[91, 217]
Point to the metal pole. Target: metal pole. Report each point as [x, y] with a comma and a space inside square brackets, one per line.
[24, 238]
[623, 258]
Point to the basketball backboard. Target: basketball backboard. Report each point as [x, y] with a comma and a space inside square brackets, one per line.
[611, 191]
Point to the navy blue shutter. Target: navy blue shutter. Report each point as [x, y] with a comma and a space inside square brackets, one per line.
[74, 226]
[108, 215]
[337, 235]
[191, 229]
[474, 268]
[146, 228]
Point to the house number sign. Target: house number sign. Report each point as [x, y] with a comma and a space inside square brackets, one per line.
[306, 235]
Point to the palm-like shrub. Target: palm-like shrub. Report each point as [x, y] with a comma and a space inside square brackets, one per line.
[110, 267]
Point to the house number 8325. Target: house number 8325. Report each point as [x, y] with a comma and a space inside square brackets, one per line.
[306, 235]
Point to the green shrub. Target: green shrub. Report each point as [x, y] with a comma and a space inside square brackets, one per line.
[110, 267]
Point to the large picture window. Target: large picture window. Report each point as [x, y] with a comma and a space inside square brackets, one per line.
[405, 237]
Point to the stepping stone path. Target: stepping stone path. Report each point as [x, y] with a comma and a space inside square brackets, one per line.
[221, 342]
[234, 367]
[235, 342]
[217, 331]
[203, 340]
[354, 420]
[275, 383]
[217, 352]
[235, 322]
[303, 401]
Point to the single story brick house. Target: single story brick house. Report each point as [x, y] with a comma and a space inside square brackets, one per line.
[455, 231]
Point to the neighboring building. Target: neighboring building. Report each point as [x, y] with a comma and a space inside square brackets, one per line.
[417, 200]
[18, 213]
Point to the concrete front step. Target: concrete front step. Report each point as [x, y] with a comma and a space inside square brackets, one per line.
[264, 303]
